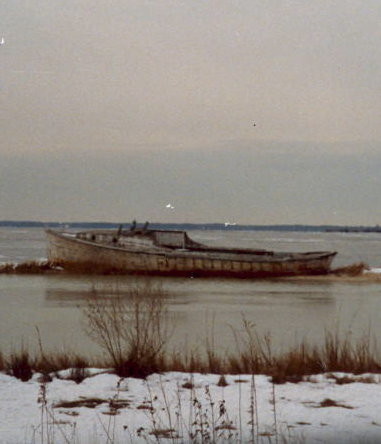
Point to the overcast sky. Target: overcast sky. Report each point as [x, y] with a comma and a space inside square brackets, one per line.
[110, 110]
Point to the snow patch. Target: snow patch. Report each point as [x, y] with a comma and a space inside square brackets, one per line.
[318, 410]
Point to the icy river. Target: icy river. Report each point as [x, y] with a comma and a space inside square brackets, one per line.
[288, 310]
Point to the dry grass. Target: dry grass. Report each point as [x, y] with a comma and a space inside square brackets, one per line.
[348, 379]
[131, 328]
[20, 365]
[327, 402]
[47, 363]
[53, 362]
[254, 355]
[337, 354]
[2, 362]
[222, 381]
[90, 403]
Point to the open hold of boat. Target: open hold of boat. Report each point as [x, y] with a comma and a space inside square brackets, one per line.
[173, 253]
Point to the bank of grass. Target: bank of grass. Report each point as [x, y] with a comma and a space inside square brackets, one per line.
[335, 355]
[133, 329]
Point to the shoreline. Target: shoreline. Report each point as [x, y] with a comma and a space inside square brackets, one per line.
[253, 354]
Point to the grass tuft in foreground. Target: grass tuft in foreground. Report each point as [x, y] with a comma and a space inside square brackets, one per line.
[20, 365]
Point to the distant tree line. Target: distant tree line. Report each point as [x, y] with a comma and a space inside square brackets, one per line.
[194, 226]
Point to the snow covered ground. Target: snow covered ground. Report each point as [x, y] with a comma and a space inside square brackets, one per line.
[104, 409]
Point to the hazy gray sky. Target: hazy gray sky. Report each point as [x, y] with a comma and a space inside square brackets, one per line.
[110, 110]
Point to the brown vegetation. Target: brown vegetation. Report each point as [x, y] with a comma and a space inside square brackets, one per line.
[331, 403]
[90, 403]
[133, 329]
[2, 362]
[30, 267]
[143, 349]
[20, 365]
[335, 355]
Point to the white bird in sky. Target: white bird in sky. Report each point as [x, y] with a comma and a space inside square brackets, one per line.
[170, 206]
[2, 41]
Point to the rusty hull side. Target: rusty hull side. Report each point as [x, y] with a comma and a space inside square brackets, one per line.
[83, 256]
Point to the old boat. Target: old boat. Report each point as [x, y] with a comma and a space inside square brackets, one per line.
[173, 253]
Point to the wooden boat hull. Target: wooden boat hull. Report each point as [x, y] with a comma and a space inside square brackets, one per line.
[85, 256]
